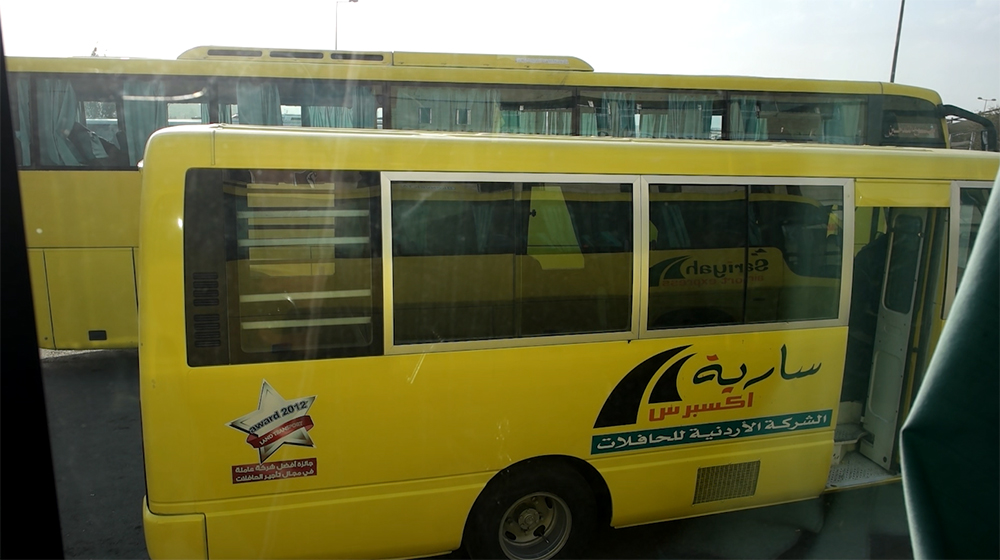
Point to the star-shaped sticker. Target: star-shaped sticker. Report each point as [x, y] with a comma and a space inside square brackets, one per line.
[276, 422]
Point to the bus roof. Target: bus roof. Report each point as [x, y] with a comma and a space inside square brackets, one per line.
[438, 68]
[449, 60]
[242, 146]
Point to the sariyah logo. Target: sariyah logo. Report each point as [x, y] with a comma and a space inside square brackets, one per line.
[678, 268]
[623, 404]
[276, 422]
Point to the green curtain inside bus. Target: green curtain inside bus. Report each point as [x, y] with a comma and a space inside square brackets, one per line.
[358, 111]
[686, 116]
[588, 124]
[258, 103]
[23, 132]
[744, 124]
[612, 115]
[145, 113]
[529, 121]
[846, 126]
[365, 107]
[330, 117]
[618, 115]
[447, 109]
[56, 105]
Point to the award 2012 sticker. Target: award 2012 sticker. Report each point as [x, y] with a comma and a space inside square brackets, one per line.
[276, 421]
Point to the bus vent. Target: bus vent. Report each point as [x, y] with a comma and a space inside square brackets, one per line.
[297, 54]
[357, 56]
[206, 289]
[725, 482]
[245, 53]
[207, 330]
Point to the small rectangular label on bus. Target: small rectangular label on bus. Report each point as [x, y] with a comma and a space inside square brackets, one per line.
[258, 472]
[644, 439]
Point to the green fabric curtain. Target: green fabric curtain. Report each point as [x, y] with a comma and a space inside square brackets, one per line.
[56, 104]
[451, 109]
[365, 107]
[359, 112]
[846, 125]
[145, 113]
[330, 117]
[743, 121]
[258, 103]
[24, 119]
[616, 116]
[535, 122]
[687, 116]
[588, 124]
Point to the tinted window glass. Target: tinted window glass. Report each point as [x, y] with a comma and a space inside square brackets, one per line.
[910, 122]
[483, 109]
[972, 207]
[734, 254]
[291, 272]
[795, 264]
[698, 241]
[475, 261]
[791, 117]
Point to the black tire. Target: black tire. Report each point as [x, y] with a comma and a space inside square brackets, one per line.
[532, 512]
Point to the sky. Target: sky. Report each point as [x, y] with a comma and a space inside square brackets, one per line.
[951, 46]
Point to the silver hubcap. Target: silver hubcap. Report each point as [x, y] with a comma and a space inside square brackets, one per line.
[536, 527]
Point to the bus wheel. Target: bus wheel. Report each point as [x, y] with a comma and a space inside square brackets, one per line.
[531, 515]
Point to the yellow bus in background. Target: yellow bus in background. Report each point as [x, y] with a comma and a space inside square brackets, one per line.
[479, 337]
[82, 123]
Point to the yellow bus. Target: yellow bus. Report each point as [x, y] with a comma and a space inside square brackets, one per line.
[81, 125]
[499, 343]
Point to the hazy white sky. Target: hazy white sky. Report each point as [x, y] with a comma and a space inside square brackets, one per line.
[951, 46]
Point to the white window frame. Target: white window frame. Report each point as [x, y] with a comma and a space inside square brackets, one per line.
[847, 263]
[391, 348]
[640, 258]
[954, 217]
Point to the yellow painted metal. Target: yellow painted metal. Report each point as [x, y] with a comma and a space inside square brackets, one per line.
[92, 290]
[74, 215]
[80, 208]
[237, 147]
[404, 434]
[286, 56]
[40, 298]
[454, 60]
[901, 194]
[174, 536]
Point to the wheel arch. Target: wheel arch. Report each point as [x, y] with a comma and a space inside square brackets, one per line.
[598, 486]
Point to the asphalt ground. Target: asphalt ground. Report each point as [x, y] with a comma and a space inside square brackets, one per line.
[92, 401]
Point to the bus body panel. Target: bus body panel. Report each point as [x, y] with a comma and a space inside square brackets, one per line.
[40, 298]
[885, 193]
[90, 291]
[91, 208]
[671, 479]
[402, 398]
[424, 518]
[174, 536]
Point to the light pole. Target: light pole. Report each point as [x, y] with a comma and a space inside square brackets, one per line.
[895, 51]
[985, 101]
[336, 19]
